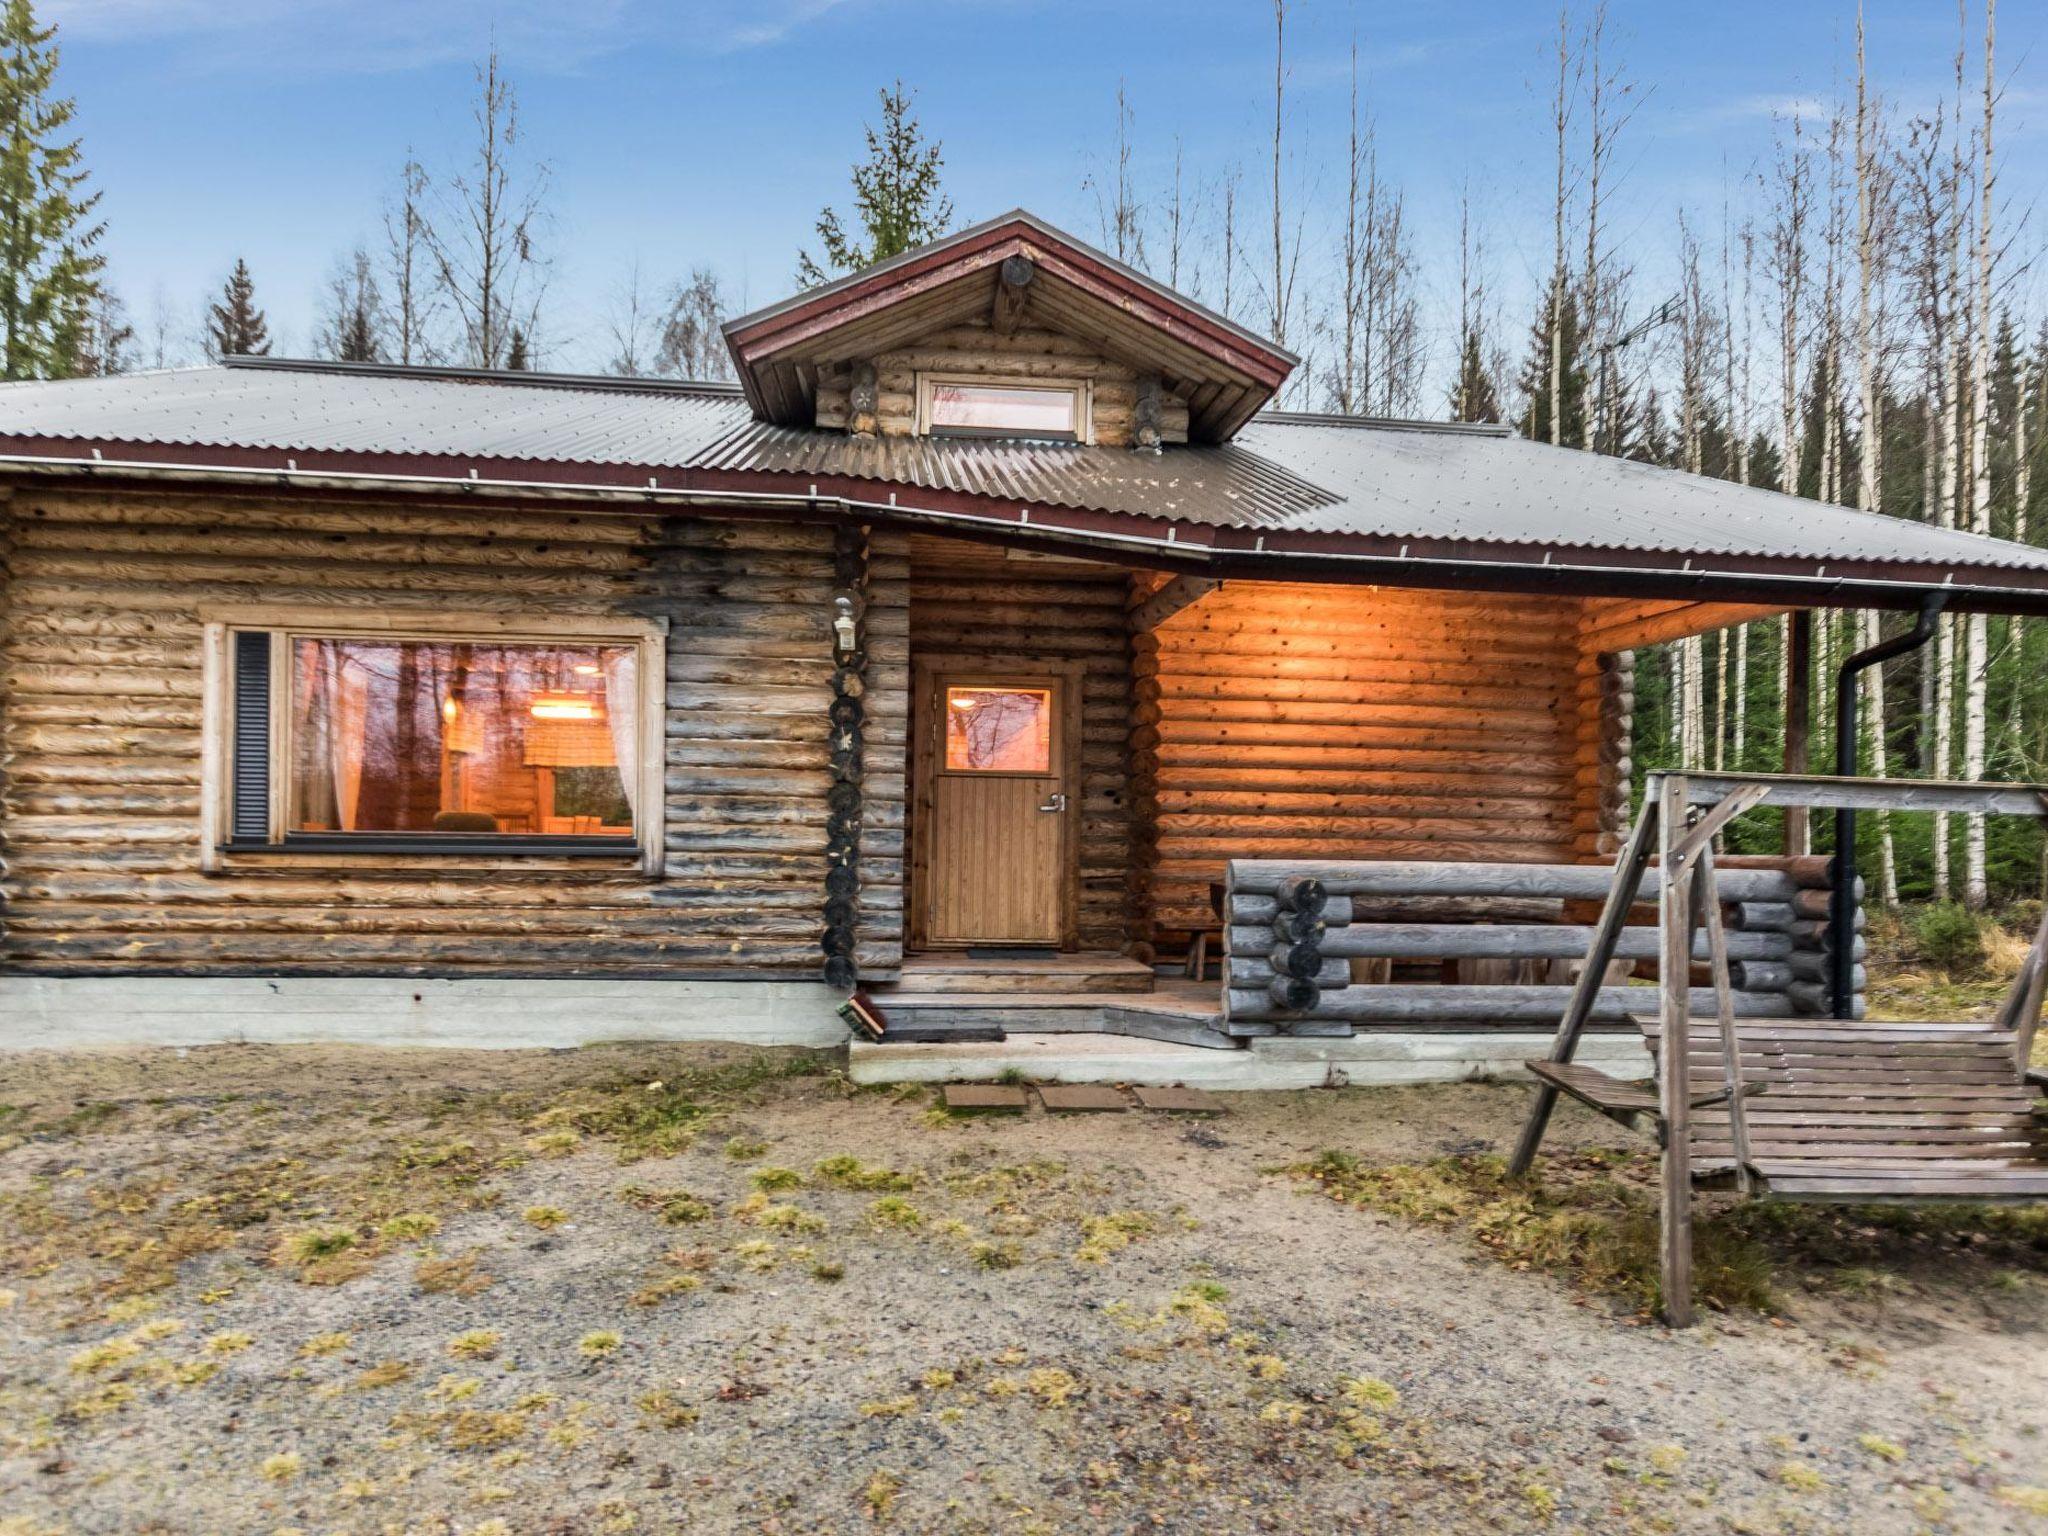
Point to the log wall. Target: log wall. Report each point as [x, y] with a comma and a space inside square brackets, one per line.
[967, 601]
[975, 349]
[100, 667]
[1311, 722]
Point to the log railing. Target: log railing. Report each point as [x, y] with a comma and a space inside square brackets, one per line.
[1311, 945]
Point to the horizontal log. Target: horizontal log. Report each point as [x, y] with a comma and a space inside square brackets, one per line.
[1761, 916]
[1262, 910]
[1816, 997]
[1286, 959]
[1760, 975]
[1876, 794]
[1250, 971]
[1817, 932]
[1397, 878]
[1808, 902]
[1815, 965]
[1448, 941]
[1427, 1004]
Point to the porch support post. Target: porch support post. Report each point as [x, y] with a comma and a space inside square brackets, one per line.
[843, 801]
[1674, 922]
[1798, 715]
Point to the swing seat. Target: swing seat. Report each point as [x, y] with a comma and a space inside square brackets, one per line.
[1873, 1111]
[1634, 1104]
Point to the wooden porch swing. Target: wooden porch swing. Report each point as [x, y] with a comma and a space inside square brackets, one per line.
[1811, 1109]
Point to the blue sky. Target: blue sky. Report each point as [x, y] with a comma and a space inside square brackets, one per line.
[710, 131]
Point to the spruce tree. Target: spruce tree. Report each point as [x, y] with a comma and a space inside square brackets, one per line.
[518, 351]
[49, 264]
[896, 197]
[1473, 397]
[235, 326]
[1536, 373]
[355, 324]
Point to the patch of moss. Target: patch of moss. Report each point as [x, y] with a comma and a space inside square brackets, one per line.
[895, 1211]
[476, 1344]
[851, 1173]
[677, 1207]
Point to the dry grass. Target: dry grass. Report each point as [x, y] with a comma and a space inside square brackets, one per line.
[1592, 1217]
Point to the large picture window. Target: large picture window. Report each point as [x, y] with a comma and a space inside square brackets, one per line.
[440, 742]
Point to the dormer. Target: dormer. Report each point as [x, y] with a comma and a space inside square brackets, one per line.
[1009, 330]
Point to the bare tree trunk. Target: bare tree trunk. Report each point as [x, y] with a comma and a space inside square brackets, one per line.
[1869, 276]
[1278, 329]
[1788, 259]
[1561, 119]
[1976, 890]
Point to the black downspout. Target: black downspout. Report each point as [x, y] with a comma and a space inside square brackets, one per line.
[1842, 904]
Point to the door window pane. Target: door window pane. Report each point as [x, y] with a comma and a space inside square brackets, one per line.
[451, 737]
[999, 730]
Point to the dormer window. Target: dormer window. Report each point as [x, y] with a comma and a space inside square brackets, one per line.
[969, 407]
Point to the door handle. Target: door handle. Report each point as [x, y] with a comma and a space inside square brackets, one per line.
[1054, 803]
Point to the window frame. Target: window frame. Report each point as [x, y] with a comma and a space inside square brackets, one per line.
[1081, 391]
[220, 849]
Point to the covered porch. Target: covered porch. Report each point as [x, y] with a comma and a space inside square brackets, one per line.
[1091, 745]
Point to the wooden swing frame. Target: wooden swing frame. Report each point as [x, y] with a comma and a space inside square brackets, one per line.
[1680, 817]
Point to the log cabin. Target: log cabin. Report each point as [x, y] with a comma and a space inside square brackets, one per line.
[992, 646]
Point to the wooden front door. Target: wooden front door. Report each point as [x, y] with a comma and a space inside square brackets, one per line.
[994, 817]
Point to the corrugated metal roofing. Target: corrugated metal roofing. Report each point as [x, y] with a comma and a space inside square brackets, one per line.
[1338, 480]
[343, 409]
[1408, 482]
[1224, 485]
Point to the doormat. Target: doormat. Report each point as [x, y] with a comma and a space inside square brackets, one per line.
[1006, 952]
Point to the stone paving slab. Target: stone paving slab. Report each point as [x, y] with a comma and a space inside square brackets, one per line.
[987, 1098]
[1061, 1097]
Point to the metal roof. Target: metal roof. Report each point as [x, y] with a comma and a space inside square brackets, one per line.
[1401, 501]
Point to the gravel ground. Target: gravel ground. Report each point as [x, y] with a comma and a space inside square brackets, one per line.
[1132, 1322]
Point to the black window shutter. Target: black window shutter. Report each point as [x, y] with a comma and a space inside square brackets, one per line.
[249, 810]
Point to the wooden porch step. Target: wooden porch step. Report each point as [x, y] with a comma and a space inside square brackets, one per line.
[955, 974]
[1187, 1015]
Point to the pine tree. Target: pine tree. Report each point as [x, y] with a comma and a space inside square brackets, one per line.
[235, 327]
[896, 197]
[49, 264]
[1559, 308]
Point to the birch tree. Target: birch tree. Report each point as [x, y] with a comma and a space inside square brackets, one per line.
[1873, 225]
[1976, 636]
[484, 246]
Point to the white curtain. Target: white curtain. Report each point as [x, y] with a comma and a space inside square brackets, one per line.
[347, 701]
[622, 709]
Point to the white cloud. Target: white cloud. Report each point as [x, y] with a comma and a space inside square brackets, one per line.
[1768, 105]
[378, 36]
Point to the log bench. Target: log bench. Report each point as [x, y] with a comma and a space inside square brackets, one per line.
[1310, 945]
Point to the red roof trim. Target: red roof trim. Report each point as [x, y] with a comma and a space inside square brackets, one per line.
[807, 319]
[1269, 554]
